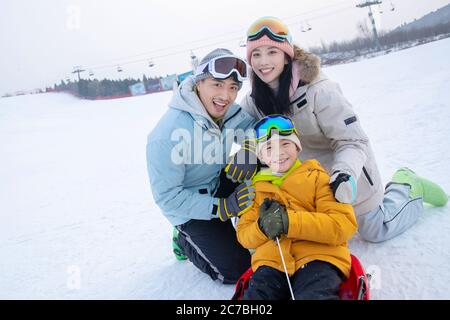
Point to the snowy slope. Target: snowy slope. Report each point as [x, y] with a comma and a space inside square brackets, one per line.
[77, 219]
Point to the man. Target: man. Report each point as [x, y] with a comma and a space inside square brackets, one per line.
[186, 155]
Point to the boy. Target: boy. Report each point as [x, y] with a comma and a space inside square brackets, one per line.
[294, 203]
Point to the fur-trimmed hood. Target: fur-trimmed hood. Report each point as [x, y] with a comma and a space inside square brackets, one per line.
[309, 64]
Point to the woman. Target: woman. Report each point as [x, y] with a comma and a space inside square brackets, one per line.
[288, 80]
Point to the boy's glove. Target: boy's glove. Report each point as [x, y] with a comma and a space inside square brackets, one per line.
[273, 219]
[343, 186]
[236, 203]
[244, 164]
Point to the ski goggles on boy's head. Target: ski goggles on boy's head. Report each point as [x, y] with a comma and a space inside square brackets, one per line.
[223, 67]
[274, 28]
[282, 124]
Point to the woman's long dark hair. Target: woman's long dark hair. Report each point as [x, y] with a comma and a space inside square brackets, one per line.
[265, 99]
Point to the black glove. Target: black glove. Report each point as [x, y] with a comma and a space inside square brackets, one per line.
[244, 164]
[273, 219]
[236, 203]
[343, 186]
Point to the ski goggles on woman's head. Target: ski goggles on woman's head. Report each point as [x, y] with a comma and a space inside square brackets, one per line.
[274, 28]
[282, 124]
[223, 67]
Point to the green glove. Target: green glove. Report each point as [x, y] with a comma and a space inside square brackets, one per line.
[244, 164]
[237, 203]
[273, 219]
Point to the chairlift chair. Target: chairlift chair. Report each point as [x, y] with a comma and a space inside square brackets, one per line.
[302, 27]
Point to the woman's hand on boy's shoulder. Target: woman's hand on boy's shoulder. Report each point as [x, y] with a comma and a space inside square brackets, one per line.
[343, 186]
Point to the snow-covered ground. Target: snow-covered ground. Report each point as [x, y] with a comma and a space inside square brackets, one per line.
[77, 219]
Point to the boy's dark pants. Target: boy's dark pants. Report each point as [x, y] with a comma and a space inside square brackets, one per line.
[212, 246]
[317, 280]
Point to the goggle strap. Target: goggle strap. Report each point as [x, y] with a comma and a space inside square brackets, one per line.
[249, 148]
[266, 31]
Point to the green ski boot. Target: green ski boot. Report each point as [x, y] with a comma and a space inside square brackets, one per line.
[177, 251]
[421, 187]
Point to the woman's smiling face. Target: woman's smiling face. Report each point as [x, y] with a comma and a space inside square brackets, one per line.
[268, 63]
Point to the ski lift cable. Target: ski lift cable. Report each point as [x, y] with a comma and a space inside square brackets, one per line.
[206, 45]
[234, 39]
[161, 56]
[317, 9]
[187, 44]
[321, 16]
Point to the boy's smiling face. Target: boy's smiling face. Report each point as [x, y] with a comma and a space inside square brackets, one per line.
[279, 154]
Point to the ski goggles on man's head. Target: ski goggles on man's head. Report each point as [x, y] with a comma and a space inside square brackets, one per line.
[274, 28]
[282, 124]
[223, 67]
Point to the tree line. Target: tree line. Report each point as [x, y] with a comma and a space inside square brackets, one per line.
[337, 52]
[94, 88]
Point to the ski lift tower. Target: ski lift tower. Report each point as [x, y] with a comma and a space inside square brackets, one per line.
[78, 70]
[369, 3]
[194, 61]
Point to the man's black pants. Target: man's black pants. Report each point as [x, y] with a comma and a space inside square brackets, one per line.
[212, 246]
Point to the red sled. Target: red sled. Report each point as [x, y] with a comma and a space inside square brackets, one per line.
[355, 287]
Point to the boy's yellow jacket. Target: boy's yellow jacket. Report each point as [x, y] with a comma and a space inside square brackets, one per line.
[319, 226]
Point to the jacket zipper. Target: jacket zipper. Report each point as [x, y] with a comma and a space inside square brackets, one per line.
[299, 98]
[223, 124]
[367, 176]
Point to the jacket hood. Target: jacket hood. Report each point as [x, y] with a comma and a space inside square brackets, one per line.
[308, 64]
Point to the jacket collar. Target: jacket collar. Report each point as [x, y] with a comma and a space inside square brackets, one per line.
[307, 66]
[269, 176]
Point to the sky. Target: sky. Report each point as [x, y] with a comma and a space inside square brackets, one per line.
[42, 41]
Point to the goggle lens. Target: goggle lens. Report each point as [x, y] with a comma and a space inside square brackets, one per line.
[280, 123]
[276, 27]
[227, 64]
